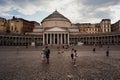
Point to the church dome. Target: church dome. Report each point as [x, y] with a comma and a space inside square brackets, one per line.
[56, 20]
[57, 15]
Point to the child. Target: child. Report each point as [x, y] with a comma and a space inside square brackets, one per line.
[43, 56]
[74, 57]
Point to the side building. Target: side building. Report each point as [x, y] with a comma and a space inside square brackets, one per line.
[116, 27]
[3, 24]
[20, 26]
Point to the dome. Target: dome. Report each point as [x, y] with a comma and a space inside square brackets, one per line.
[55, 16]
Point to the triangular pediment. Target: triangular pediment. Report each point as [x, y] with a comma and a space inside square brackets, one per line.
[55, 29]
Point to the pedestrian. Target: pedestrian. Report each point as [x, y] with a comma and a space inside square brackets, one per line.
[43, 56]
[94, 49]
[72, 51]
[74, 56]
[63, 47]
[107, 51]
[47, 53]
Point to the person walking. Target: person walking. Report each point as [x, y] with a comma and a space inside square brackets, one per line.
[94, 49]
[47, 53]
[72, 51]
[43, 56]
[74, 56]
[107, 51]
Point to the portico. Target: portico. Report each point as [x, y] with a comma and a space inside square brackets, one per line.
[56, 36]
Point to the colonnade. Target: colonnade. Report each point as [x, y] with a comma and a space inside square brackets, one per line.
[98, 40]
[55, 38]
[59, 38]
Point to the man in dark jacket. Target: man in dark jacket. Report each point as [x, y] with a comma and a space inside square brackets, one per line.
[107, 51]
[47, 53]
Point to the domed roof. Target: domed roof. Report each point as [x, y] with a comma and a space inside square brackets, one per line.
[55, 14]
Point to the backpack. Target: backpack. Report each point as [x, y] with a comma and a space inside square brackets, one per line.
[48, 51]
[72, 55]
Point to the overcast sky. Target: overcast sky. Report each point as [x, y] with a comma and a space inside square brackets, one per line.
[78, 11]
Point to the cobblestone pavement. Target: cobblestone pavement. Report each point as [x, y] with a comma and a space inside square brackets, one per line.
[26, 65]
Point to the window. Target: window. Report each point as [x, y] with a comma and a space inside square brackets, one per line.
[11, 27]
[15, 28]
[17, 21]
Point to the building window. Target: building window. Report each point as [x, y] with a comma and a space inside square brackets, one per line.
[17, 21]
[12, 28]
[15, 28]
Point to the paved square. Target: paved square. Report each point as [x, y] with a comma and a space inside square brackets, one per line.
[26, 65]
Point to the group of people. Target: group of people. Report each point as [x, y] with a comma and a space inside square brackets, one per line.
[74, 56]
[61, 49]
[45, 55]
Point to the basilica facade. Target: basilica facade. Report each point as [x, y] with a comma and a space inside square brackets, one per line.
[56, 29]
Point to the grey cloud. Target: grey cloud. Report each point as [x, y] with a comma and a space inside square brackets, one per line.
[2, 2]
[95, 12]
[23, 3]
[74, 9]
[100, 3]
[34, 2]
[103, 14]
[20, 5]
[5, 2]
[97, 9]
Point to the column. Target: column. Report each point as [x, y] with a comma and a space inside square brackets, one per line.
[58, 39]
[61, 39]
[89, 40]
[117, 39]
[46, 39]
[68, 38]
[95, 40]
[53, 38]
[64, 38]
[25, 41]
[43, 39]
[50, 39]
[114, 39]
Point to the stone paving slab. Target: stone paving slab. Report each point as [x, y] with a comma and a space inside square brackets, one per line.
[26, 65]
